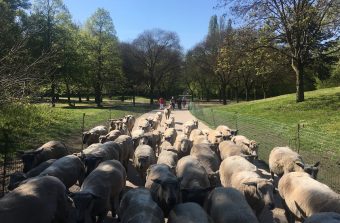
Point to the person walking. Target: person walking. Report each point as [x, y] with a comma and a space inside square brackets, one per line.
[184, 102]
[172, 102]
[161, 103]
[179, 103]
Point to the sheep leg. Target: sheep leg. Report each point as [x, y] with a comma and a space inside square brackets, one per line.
[288, 213]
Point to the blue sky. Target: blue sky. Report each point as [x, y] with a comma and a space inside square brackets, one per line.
[188, 18]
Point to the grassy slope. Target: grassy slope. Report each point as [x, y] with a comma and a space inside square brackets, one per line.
[32, 125]
[320, 111]
[273, 122]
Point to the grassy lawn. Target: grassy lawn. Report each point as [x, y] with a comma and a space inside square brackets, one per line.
[30, 125]
[274, 122]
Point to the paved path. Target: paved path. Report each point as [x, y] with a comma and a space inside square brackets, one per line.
[181, 116]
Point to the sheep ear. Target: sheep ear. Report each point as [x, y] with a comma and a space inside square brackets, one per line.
[317, 164]
[300, 165]
[251, 184]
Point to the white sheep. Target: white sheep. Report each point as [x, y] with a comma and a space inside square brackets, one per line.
[306, 196]
[170, 135]
[283, 160]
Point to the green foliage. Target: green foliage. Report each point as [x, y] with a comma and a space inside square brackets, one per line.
[29, 126]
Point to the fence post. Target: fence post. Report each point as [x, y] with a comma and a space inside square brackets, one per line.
[82, 131]
[298, 138]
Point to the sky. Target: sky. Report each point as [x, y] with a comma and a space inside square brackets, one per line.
[188, 18]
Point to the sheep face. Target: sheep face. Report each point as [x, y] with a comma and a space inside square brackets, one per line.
[312, 169]
[264, 192]
[15, 179]
[214, 179]
[168, 193]
[30, 160]
[84, 204]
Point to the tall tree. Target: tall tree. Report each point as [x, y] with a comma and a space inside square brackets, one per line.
[48, 15]
[104, 51]
[299, 25]
[159, 52]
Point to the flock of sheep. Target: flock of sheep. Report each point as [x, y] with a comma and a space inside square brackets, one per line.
[190, 176]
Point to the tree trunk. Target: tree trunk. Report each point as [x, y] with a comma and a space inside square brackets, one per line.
[224, 93]
[68, 93]
[79, 96]
[97, 94]
[53, 92]
[151, 94]
[263, 91]
[87, 97]
[298, 68]
[254, 92]
[246, 93]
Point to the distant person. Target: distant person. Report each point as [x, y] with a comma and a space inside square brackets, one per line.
[184, 102]
[161, 103]
[172, 102]
[179, 103]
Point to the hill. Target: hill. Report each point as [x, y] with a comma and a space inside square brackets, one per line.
[311, 127]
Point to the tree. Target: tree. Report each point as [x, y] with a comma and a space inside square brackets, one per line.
[47, 16]
[104, 54]
[300, 26]
[159, 53]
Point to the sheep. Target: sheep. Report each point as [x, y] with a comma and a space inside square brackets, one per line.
[169, 158]
[200, 139]
[137, 205]
[194, 180]
[136, 135]
[143, 158]
[250, 147]
[126, 149]
[170, 135]
[188, 213]
[159, 117]
[98, 152]
[228, 148]
[209, 160]
[68, 169]
[303, 195]
[166, 146]
[115, 124]
[92, 136]
[100, 192]
[38, 200]
[170, 123]
[283, 160]
[323, 217]
[226, 132]
[167, 113]
[188, 127]
[237, 172]
[164, 187]
[152, 139]
[144, 125]
[215, 138]
[206, 132]
[111, 136]
[129, 121]
[16, 178]
[194, 133]
[50, 150]
[229, 205]
[182, 145]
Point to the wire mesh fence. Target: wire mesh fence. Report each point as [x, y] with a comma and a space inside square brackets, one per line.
[312, 145]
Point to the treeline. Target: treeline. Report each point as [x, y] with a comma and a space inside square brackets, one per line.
[44, 53]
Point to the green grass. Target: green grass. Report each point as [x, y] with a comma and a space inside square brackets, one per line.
[320, 110]
[30, 125]
[274, 122]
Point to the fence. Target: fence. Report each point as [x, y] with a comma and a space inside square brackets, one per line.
[10, 162]
[312, 145]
